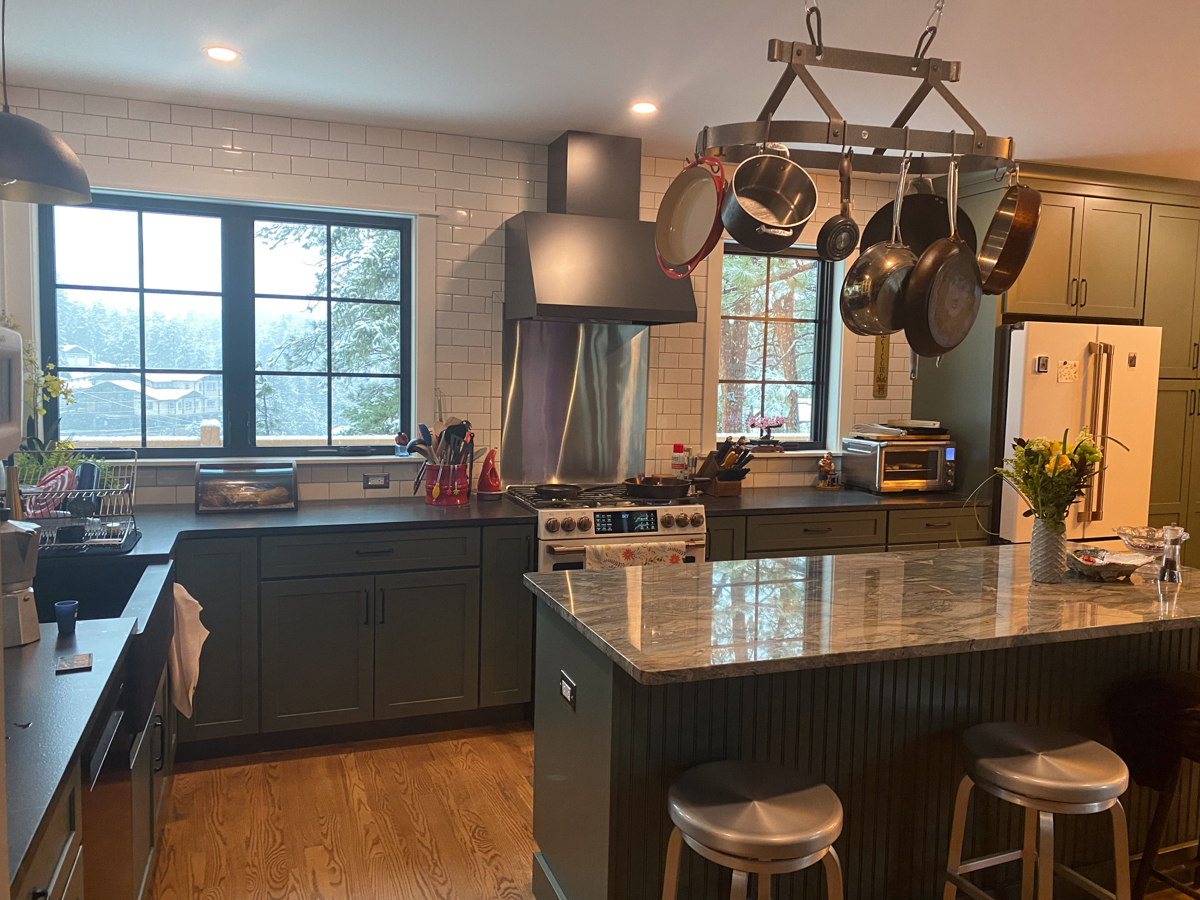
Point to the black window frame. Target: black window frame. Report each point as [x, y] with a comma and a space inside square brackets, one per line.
[822, 345]
[238, 370]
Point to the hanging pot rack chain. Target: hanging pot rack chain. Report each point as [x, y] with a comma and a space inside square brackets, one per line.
[977, 149]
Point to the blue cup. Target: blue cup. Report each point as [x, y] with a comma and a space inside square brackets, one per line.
[66, 611]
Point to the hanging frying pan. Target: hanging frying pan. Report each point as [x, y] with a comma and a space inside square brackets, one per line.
[689, 218]
[942, 297]
[872, 297]
[1009, 237]
[925, 219]
[839, 235]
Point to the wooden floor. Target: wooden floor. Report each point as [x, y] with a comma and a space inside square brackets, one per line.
[433, 816]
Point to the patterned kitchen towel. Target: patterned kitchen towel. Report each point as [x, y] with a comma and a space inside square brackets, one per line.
[183, 656]
[651, 553]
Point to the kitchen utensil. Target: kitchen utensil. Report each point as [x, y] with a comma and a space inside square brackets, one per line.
[768, 200]
[426, 435]
[942, 297]
[1145, 538]
[872, 297]
[557, 491]
[1009, 237]
[732, 474]
[923, 220]
[654, 487]
[688, 225]
[839, 235]
[49, 491]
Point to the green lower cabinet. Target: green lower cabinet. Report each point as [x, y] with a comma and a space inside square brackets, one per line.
[506, 614]
[426, 643]
[826, 551]
[318, 652]
[222, 574]
[726, 538]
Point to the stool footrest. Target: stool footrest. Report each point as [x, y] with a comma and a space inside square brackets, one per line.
[986, 862]
[1176, 883]
[1085, 883]
[967, 888]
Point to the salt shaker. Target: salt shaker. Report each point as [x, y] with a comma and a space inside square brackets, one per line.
[1172, 543]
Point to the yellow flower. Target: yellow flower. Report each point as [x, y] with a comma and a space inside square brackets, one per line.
[1059, 463]
[1055, 448]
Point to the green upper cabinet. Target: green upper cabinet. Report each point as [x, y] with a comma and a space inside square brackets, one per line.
[1170, 473]
[222, 574]
[1048, 283]
[506, 615]
[317, 652]
[1172, 280]
[426, 643]
[1089, 260]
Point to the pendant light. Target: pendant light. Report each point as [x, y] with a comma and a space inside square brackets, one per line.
[36, 165]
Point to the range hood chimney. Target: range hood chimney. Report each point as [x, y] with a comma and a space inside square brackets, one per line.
[588, 257]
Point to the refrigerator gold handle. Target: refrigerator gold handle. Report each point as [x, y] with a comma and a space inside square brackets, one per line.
[1109, 352]
[1095, 351]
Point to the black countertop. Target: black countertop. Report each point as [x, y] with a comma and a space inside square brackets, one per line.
[59, 710]
[809, 499]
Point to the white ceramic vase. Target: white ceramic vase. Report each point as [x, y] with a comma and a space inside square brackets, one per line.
[1047, 554]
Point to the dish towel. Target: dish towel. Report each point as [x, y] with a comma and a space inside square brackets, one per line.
[618, 556]
[184, 655]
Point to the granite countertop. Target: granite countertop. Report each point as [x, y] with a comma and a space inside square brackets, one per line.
[717, 620]
[47, 716]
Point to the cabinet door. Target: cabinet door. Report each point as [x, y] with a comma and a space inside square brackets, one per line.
[1048, 283]
[141, 773]
[162, 751]
[1170, 475]
[222, 574]
[426, 643]
[1172, 280]
[317, 652]
[726, 538]
[1112, 259]
[506, 609]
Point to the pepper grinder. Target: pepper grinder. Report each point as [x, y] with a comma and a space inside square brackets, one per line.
[1172, 543]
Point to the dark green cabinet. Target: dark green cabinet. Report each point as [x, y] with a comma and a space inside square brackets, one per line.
[726, 538]
[222, 574]
[426, 642]
[317, 652]
[506, 611]
[1173, 288]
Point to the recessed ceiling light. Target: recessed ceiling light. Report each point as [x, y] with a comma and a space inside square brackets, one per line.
[221, 54]
[644, 108]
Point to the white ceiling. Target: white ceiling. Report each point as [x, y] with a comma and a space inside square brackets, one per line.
[1095, 81]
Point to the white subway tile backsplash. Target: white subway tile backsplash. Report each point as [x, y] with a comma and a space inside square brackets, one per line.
[191, 115]
[235, 121]
[306, 128]
[364, 153]
[306, 165]
[103, 106]
[248, 140]
[60, 100]
[272, 124]
[350, 134]
[149, 150]
[168, 133]
[81, 123]
[418, 140]
[50, 118]
[271, 162]
[126, 128]
[290, 146]
[142, 109]
[96, 145]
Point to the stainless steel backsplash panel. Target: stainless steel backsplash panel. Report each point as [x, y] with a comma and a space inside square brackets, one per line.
[574, 401]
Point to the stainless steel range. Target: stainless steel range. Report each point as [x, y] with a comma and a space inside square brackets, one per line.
[605, 514]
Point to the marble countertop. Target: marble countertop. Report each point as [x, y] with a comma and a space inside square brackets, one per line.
[717, 620]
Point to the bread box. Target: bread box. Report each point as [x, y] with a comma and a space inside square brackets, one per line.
[245, 487]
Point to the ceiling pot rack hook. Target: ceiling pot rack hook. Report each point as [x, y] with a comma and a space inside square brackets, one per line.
[925, 41]
[813, 11]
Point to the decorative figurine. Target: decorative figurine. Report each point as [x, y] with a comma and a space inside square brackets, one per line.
[827, 474]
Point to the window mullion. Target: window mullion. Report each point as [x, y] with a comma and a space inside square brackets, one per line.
[142, 328]
[237, 329]
[329, 335]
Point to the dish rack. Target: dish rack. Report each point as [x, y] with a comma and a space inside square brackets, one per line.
[91, 520]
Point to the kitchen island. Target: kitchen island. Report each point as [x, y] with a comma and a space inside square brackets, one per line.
[861, 669]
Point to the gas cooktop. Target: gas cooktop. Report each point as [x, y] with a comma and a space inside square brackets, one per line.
[591, 497]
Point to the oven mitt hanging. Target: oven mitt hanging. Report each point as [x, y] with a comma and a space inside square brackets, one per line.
[184, 656]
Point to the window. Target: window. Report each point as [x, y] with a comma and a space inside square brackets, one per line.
[195, 328]
[775, 332]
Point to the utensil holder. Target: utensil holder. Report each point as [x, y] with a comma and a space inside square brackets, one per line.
[453, 484]
[723, 488]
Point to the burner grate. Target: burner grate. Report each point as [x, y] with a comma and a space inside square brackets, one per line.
[590, 497]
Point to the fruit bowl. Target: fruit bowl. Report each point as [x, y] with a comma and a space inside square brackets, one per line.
[1092, 562]
[1144, 538]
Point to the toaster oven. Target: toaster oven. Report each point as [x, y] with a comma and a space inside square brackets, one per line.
[884, 466]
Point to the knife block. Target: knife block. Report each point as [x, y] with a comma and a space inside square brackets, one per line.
[723, 488]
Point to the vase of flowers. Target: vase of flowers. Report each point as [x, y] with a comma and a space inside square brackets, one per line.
[1050, 476]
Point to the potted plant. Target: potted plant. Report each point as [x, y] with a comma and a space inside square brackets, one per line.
[1050, 476]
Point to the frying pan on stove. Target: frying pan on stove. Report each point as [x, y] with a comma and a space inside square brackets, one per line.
[557, 491]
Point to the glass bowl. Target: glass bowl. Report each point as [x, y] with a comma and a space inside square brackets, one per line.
[1145, 538]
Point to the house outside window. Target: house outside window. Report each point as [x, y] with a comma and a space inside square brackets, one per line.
[774, 355]
[275, 328]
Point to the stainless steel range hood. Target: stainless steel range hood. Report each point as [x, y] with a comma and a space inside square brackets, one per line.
[588, 257]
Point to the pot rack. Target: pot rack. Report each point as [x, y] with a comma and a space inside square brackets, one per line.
[975, 149]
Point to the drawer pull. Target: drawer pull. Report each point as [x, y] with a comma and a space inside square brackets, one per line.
[39, 894]
[385, 552]
[825, 530]
[938, 524]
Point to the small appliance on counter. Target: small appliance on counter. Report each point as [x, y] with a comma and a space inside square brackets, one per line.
[18, 564]
[899, 456]
[245, 487]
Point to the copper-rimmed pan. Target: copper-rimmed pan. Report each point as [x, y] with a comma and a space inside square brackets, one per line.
[1009, 238]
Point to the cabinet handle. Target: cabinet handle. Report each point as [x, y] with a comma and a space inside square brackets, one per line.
[1083, 285]
[383, 552]
[161, 762]
[825, 530]
[367, 606]
[382, 606]
[530, 559]
[938, 524]
[1195, 355]
[39, 894]
[1073, 292]
[1192, 411]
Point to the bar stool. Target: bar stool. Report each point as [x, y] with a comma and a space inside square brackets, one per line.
[1155, 722]
[753, 817]
[1047, 771]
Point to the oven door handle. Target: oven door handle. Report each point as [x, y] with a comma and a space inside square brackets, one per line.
[558, 550]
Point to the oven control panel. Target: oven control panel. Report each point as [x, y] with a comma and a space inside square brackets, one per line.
[619, 522]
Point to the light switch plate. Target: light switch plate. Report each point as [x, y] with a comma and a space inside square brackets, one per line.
[377, 482]
[1068, 371]
[1041, 365]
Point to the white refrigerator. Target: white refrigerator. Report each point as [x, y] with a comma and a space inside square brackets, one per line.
[1069, 375]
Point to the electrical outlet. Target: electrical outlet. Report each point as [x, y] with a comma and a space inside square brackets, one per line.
[377, 482]
[566, 688]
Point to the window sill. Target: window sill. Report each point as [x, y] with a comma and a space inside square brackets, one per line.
[796, 454]
[300, 460]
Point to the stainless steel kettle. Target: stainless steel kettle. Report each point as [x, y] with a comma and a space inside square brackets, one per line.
[18, 553]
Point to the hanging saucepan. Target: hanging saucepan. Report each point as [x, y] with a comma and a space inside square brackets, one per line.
[689, 218]
[839, 235]
[872, 298]
[1009, 237]
[923, 221]
[944, 290]
[768, 200]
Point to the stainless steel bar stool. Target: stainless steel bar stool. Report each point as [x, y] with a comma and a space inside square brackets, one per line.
[1046, 771]
[753, 818]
